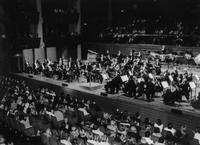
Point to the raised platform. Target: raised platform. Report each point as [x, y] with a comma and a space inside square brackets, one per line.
[91, 86]
[181, 114]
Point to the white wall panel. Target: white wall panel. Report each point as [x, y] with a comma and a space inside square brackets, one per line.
[28, 55]
[51, 53]
[39, 54]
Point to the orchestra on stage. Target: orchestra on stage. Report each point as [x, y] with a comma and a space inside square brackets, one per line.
[134, 74]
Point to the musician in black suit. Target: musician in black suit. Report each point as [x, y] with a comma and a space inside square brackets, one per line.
[167, 97]
[113, 86]
[175, 76]
[158, 67]
[131, 87]
[101, 59]
[89, 67]
[150, 90]
[89, 72]
[172, 95]
[186, 89]
[176, 94]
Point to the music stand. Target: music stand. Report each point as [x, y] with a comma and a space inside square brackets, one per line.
[165, 84]
[196, 79]
[105, 76]
[171, 78]
[124, 78]
[193, 87]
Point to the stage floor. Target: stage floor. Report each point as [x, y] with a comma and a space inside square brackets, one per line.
[97, 89]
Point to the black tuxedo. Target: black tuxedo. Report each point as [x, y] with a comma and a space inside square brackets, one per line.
[150, 90]
[131, 87]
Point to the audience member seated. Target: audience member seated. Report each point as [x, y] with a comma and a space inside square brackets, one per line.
[147, 138]
[160, 141]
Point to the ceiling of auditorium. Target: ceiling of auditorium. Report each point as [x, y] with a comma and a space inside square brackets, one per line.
[94, 13]
[97, 9]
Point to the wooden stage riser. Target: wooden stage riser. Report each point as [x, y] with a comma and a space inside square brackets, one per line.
[110, 104]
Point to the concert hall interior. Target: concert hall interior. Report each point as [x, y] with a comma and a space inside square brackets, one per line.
[99, 72]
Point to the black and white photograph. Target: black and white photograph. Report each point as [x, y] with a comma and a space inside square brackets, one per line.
[99, 72]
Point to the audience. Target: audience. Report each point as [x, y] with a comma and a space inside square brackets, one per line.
[156, 31]
[67, 120]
